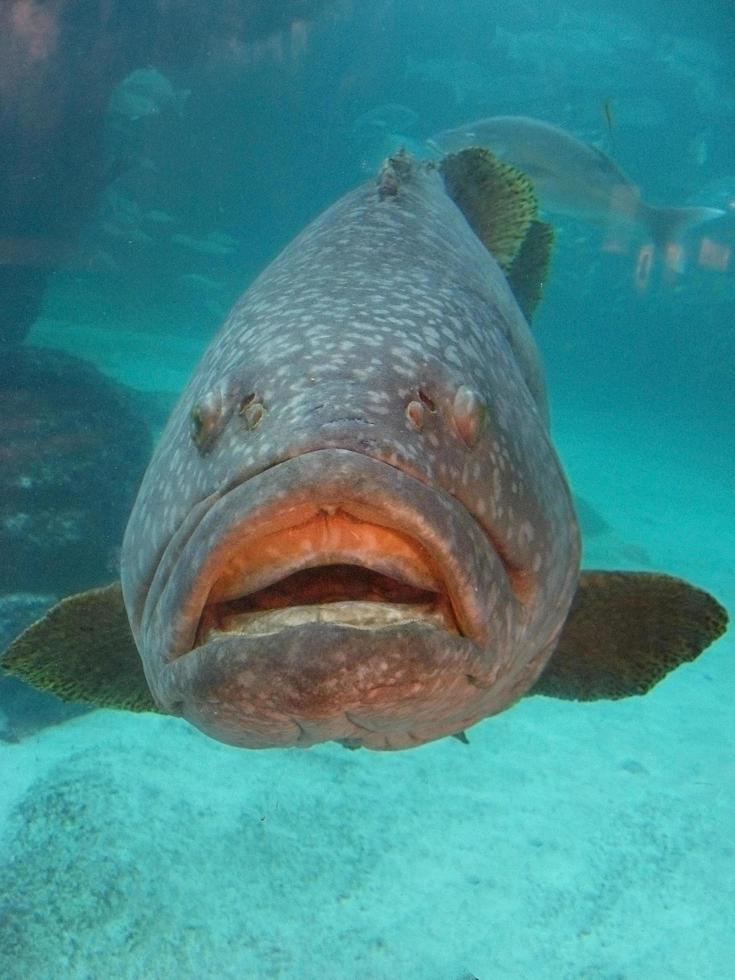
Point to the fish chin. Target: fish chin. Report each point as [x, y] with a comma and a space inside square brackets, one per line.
[375, 683]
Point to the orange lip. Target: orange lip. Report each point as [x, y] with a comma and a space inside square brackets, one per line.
[321, 510]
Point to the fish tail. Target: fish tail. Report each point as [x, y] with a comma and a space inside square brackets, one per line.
[667, 227]
[671, 224]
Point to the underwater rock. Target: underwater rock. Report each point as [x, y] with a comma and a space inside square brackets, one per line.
[73, 451]
[21, 293]
[96, 67]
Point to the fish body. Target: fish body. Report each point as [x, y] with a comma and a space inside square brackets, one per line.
[368, 537]
[571, 177]
[355, 526]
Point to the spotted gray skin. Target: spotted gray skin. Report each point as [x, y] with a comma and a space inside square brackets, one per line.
[379, 368]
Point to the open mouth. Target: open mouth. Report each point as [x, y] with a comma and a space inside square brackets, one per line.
[330, 551]
[332, 568]
[332, 596]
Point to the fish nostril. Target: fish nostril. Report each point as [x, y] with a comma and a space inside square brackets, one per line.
[253, 414]
[251, 410]
[428, 402]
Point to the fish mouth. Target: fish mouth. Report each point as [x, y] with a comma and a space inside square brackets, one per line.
[332, 596]
[332, 568]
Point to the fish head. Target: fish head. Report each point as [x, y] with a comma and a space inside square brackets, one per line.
[354, 527]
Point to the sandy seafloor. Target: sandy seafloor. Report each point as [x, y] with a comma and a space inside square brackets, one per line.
[566, 841]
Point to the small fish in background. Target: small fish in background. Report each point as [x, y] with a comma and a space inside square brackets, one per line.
[210, 294]
[213, 243]
[146, 92]
[607, 111]
[157, 217]
[573, 178]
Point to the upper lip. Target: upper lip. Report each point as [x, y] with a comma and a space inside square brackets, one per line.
[431, 542]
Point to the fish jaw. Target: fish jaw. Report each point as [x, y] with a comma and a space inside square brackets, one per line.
[395, 688]
[332, 596]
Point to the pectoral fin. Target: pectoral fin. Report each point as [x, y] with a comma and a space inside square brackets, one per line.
[83, 650]
[625, 632]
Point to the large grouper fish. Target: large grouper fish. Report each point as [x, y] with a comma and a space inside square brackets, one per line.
[355, 526]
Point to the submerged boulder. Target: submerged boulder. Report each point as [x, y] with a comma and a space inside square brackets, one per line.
[72, 454]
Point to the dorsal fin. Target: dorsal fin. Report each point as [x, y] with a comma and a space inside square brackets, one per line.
[499, 204]
[496, 199]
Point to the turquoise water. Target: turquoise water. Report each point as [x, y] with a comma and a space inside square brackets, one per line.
[566, 840]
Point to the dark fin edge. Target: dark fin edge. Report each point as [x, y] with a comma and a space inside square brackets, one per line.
[500, 206]
[83, 650]
[625, 632]
[530, 268]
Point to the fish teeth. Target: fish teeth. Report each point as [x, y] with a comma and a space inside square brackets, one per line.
[356, 614]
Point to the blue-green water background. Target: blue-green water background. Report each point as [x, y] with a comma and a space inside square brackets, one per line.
[262, 147]
[535, 857]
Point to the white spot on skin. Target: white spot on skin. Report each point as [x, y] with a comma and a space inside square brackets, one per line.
[526, 532]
